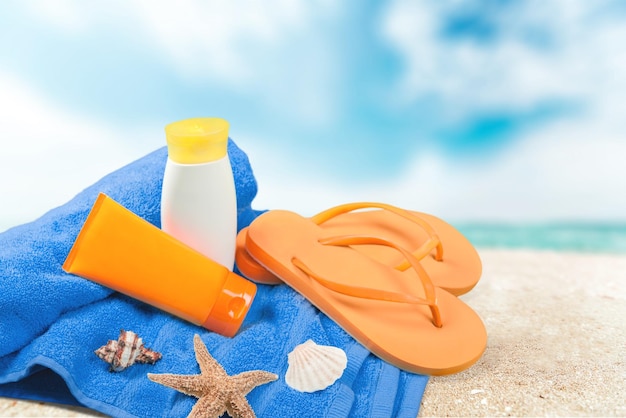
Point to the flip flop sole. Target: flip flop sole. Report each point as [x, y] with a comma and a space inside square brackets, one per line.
[458, 273]
[402, 334]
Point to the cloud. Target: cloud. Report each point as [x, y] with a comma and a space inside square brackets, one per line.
[278, 53]
[275, 52]
[558, 174]
[536, 51]
[49, 154]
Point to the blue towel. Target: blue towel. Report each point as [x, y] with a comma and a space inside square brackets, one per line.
[51, 322]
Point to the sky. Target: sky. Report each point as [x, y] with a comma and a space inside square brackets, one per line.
[475, 111]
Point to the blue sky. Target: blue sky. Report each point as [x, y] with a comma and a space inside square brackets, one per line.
[504, 111]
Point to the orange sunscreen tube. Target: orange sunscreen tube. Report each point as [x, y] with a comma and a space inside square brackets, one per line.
[120, 250]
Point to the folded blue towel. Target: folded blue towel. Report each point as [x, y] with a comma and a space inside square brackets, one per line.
[51, 322]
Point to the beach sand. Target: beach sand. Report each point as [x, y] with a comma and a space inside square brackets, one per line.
[557, 342]
[557, 339]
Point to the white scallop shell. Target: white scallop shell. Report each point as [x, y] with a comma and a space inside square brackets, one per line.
[314, 367]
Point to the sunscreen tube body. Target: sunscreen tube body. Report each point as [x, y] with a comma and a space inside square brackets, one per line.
[120, 250]
[198, 200]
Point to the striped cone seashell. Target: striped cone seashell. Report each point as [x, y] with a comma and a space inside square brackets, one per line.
[126, 351]
[314, 367]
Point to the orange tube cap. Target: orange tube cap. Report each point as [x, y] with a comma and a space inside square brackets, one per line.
[231, 306]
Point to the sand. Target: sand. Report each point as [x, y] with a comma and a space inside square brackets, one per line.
[557, 339]
[557, 342]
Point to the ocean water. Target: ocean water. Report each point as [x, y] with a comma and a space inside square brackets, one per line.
[580, 237]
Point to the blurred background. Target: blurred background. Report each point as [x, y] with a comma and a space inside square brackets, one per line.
[495, 115]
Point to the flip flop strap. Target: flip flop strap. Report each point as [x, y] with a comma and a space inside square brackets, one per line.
[426, 248]
[378, 294]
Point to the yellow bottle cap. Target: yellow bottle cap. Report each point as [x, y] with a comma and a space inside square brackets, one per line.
[197, 140]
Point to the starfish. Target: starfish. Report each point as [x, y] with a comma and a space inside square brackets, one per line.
[217, 392]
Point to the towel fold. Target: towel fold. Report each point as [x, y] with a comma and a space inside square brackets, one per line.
[51, 322]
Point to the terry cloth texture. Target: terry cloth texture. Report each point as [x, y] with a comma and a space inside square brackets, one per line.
[51, 322]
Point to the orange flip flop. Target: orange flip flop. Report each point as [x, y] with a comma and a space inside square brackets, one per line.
[450, 260]
[399, 316]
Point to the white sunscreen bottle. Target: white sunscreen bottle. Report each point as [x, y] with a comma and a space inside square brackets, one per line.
[198, 201]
